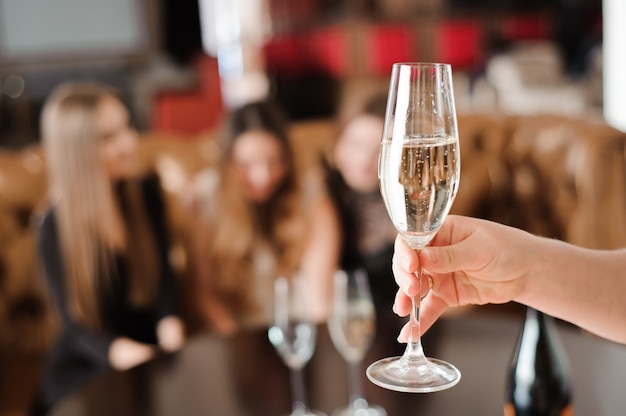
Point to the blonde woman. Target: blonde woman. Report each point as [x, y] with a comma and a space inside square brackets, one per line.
[103, 244]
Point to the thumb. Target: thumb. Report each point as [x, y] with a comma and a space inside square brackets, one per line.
[440, 259]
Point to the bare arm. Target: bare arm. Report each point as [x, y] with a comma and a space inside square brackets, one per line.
[321, 255]
[212, 309]
[100, 349]
[474, 261]
[585, 287]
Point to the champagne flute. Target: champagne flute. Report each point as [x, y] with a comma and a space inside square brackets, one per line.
[293, 334]
[352, 325]
[418, 170]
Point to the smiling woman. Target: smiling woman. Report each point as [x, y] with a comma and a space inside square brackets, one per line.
[103, 244]
[259, 164]
[258, 218]
[119, 139]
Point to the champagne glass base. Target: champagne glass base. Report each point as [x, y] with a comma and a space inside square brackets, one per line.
[365, 410]
[306, 412]
[427, 376]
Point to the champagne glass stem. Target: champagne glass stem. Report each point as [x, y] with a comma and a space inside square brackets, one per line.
[356, 394]
[297, 389]
[414, 352]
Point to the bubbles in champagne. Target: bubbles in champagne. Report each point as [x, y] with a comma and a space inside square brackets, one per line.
[352, 329]
[419, 179]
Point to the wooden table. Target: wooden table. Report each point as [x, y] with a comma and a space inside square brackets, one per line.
[200, 379]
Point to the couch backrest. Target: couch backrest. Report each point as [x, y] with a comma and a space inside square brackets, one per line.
[551, 175]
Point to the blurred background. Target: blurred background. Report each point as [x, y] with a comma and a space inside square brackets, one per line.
[536, 82]
[182, 63]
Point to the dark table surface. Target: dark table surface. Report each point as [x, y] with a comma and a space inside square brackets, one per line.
[206, 377]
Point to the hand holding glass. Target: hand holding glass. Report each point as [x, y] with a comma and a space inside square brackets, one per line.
[419, 168]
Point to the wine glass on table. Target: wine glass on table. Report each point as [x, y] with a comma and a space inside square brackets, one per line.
[352, 324]
[293, 334]
[418, 170]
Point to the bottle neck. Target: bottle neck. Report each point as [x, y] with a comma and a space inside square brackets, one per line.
[544, 322]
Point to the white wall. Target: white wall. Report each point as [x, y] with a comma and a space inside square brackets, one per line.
[614, 64]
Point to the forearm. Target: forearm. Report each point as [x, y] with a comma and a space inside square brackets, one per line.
[321, 257]
[212, 309]
[583, 286]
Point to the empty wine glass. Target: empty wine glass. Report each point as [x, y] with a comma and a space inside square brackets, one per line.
[418, 170]
[293, 334]
[352, 324]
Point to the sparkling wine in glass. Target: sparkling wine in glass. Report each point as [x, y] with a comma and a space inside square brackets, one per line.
[352, 324]
[418, 170]
[293, 334]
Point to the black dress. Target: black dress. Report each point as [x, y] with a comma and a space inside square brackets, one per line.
[368, 237]
[79, 353]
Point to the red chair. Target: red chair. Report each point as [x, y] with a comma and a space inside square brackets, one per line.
[387, 45]
[459, 43]
[191, 111]
[525, 27]
[284, 54]
[329, 50]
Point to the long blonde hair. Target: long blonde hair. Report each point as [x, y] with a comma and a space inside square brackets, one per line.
[81, 192]
[241, 229]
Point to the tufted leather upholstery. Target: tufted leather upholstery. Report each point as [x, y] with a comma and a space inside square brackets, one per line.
[552, 175]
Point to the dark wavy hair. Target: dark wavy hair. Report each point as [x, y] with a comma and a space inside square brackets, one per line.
[238, 227]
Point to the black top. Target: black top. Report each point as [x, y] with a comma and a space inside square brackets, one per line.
[81, 353]
[368, 237]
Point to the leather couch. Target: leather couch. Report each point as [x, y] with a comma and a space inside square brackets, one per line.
[552, 175]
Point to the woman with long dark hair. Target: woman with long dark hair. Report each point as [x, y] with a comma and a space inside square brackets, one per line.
[260, 217]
